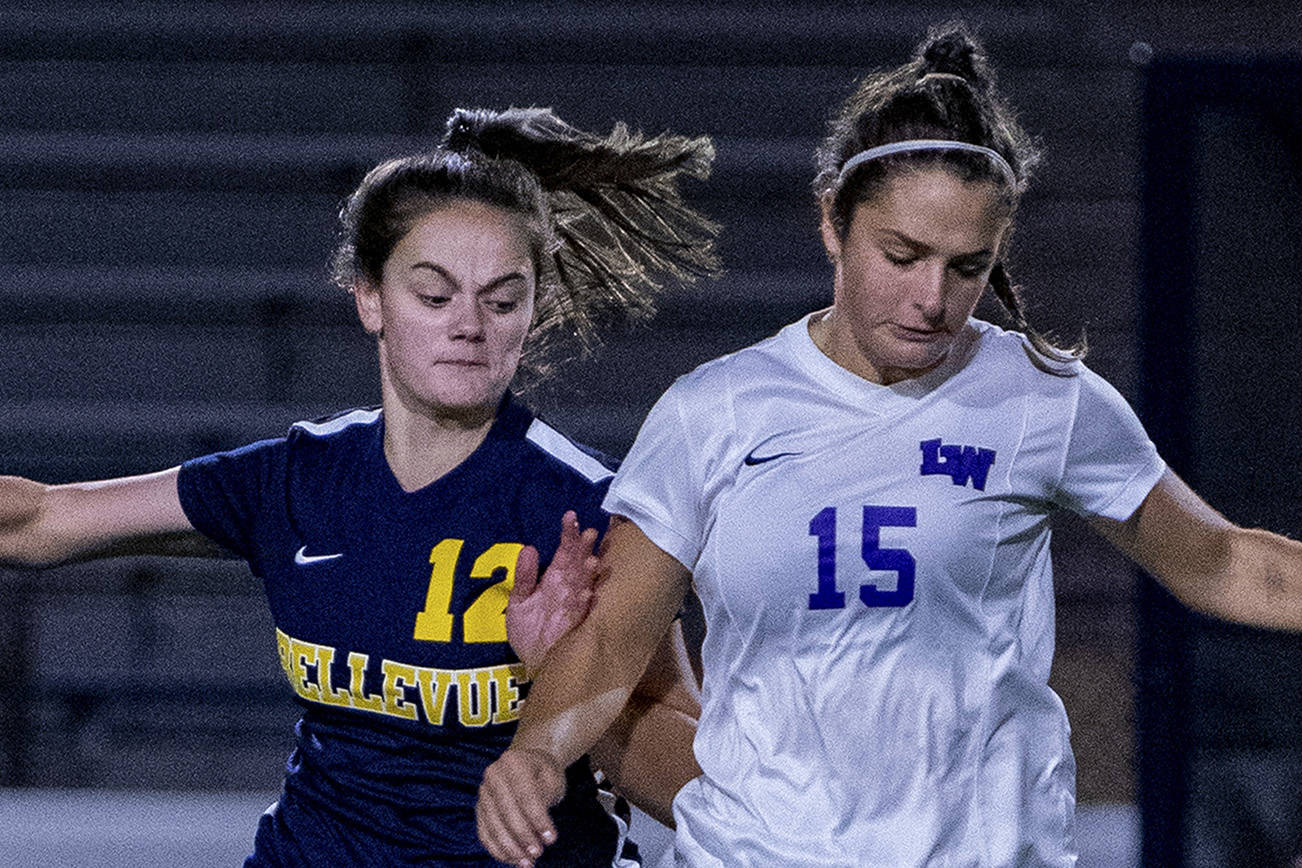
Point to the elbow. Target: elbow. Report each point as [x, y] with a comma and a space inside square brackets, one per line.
[1255, 577]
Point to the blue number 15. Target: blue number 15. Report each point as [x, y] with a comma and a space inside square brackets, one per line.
[898, 561]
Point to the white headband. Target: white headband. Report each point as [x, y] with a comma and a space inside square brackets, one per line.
[926, 145]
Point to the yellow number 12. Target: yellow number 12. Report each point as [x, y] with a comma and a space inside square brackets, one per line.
[485, 620]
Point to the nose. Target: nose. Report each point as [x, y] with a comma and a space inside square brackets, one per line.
[928, 295]
[467, 318]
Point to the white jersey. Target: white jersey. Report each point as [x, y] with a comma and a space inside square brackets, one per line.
[873, 562]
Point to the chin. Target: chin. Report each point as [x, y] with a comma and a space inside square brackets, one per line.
[909, 357]
[473, 403]
[468, 400]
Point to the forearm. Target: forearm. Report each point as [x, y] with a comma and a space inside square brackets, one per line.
[43, 524]
[586, 681]
[1260, 582]
[589, 675]
[583, 687]
[647, 754]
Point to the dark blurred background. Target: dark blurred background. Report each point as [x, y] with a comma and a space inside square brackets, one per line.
[169, 180]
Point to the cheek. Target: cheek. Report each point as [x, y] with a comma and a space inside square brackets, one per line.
[866, 296]
[508, 340]
[964, 303]
[409, 332]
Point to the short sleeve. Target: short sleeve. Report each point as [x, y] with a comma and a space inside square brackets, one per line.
[225, 494]
[657, 487]
[1111, 464]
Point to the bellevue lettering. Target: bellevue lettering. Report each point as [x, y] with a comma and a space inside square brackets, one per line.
[484, 696]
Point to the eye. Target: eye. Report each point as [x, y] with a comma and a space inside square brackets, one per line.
[433, 299]
[901, 259]
[502, 305]
[969, 270]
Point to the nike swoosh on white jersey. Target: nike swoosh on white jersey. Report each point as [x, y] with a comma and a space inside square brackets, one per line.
[302, 558]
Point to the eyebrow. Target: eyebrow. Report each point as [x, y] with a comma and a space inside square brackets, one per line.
[920, 246]
[493, 284]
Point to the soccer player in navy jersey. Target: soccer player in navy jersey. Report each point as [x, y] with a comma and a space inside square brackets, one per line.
[862, 503]
[389, 540]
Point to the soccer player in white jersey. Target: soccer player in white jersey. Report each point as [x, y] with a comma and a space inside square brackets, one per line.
[387, 540]
[862, 503]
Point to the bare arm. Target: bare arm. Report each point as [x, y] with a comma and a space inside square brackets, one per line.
[1209, 563]
[647, 752]
[588, 677]
[42, 524]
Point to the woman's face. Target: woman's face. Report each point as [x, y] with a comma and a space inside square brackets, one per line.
[452, 310]
[910, 270]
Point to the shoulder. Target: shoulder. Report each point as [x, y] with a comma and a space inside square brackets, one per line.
[713, 384]
[335, 427]
[319, 452]
[338, 432]
[522, 445]
[548, 472]
[1004, 353]
[546, 445]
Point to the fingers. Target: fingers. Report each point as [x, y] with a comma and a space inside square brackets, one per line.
[526, 575]
[567, 551]
[575, 567]
[514, 824]
[575, 545]
[501, 839]
[584, 571]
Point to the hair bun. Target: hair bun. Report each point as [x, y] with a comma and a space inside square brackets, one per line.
[951, 49]
[463, 129]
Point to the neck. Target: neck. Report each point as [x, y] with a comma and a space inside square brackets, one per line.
[837, 342]
[421, 447]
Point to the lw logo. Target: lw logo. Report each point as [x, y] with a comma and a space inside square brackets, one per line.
[959, 463]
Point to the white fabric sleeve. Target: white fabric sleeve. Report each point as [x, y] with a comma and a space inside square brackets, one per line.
[1111, 465]
[657, 486]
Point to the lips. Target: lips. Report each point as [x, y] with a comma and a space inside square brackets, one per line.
[917, 334]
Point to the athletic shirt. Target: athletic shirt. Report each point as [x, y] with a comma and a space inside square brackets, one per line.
[388, 607]
[873, 563]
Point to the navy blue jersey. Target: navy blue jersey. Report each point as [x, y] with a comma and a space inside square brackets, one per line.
[388, 608]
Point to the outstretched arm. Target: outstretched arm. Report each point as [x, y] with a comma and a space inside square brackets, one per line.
[47, 524]
[1209, 563]
[588, 678]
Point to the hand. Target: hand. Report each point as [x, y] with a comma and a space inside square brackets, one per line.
[539, 613]
[517, 790]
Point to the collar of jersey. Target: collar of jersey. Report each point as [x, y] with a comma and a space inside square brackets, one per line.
[511, 423]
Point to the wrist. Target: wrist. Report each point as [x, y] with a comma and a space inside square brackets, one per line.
[531, 743]
[542, 755]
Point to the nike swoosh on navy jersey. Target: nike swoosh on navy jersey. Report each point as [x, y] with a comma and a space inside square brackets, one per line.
[302, 558]
[752, 459]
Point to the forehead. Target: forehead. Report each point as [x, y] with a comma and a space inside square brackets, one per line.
[935, 206]
[466, 236]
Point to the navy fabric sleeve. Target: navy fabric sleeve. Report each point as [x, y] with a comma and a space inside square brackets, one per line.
[589, 508]
[225, 494]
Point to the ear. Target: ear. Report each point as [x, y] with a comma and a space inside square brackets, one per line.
[370, 306]
[831, 240]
